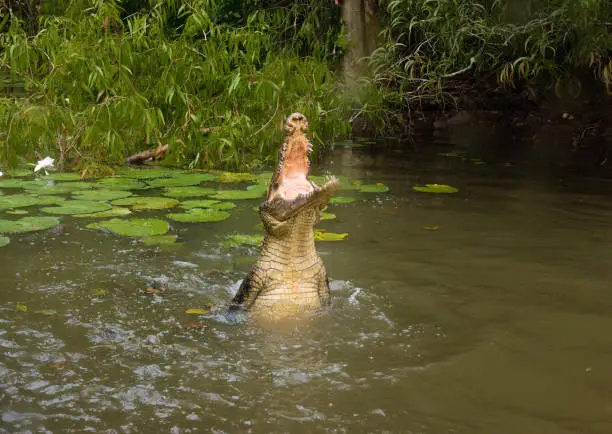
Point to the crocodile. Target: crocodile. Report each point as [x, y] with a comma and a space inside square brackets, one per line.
[289, 276]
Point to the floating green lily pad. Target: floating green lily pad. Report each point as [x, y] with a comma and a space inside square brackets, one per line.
[18, 200]
[115, 211]
[101, 195]
[144, 173]
[238, 194]
[71, 176]
[327, 216]
[77, 207]
[134, 227]
[373, 188]
[237, 240]
[224, 206]
[202, 203]
[436, 188]
[320, 235]
[27, 224]
[20, 183]
[238, 177]
[341, 200]
[50, 200]
[159, 240]
[199, 215]
[180, 192]
[4, 241]
[59, 188]
[182, 180]
[207, 203]
[146, 202]
[17, 212]
[196, 311]
[121, 184]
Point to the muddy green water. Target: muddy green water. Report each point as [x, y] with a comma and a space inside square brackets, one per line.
[498, 322]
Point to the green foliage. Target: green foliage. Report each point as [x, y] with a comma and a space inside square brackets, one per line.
[429, 44]
[147, 202]
[134, 227]
[436, 188]
[27, 224]
[199, 215]
[212, 82]
[69, 207]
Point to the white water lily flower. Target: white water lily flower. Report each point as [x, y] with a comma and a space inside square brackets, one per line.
[43, 164]
[1, 173]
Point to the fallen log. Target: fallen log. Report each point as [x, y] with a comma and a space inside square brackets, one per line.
[152, 154]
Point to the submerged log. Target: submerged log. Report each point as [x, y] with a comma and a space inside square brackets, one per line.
[152, 154]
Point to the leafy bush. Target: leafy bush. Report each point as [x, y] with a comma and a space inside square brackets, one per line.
[105, 79]
[430, 43]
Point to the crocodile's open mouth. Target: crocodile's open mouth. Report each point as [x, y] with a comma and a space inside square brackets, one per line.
[292, 180]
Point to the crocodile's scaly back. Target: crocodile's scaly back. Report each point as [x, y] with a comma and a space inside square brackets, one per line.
[289, 276]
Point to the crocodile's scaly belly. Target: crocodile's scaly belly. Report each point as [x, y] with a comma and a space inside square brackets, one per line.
[293, 287]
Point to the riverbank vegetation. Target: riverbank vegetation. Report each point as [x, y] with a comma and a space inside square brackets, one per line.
[214, 79]
[432, 51]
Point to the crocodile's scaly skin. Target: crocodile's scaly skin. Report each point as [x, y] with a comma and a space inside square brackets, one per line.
[289, 276]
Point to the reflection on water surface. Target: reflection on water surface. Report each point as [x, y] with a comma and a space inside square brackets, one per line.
[495, 322]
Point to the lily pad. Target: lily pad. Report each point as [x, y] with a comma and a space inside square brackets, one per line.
[238, 177]
[188, 192]
[50, 200]
[199, 215]
[20, 183]
[115, 211]
[159, 240]
[119, 183]
[147, 202]
[341, 200]
[236, 240]
[70, 176]
[27, 224]
[436, 188]
[18, 200]
[327, 216]
[101, 195]
[134, 227]
[196, 311]
[77, 207]
[59, 188]
[224, 206]
[182, 180]
[144, 173]
[373, 188]
[207, 203]
[4, 241]
[320, 235]
[238, 194]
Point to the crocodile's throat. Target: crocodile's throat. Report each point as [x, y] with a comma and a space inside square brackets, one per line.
[292, 177]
